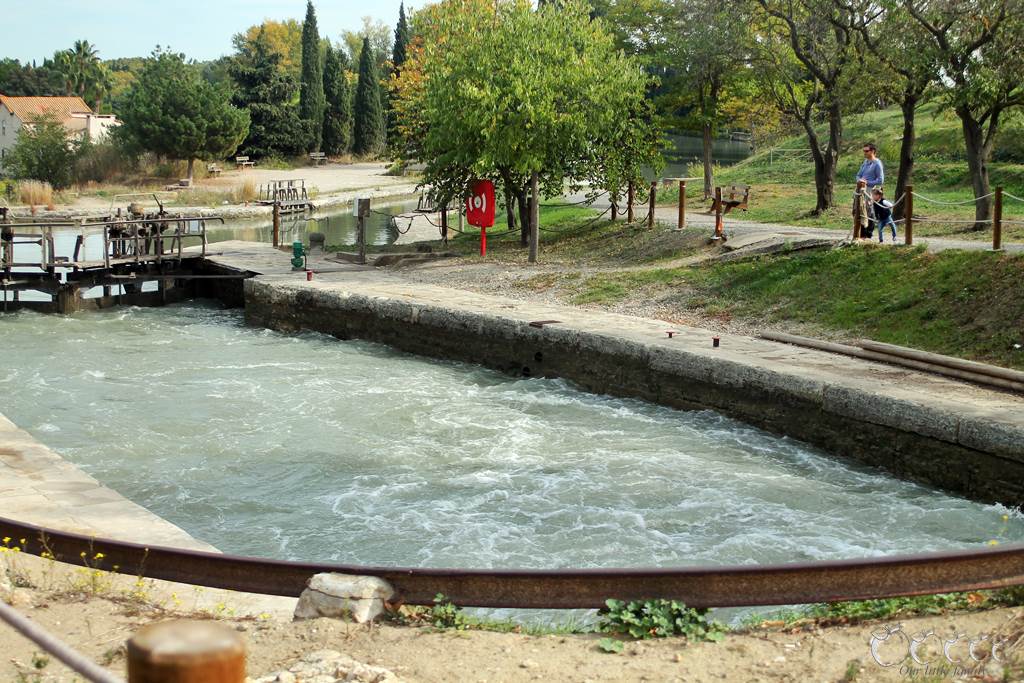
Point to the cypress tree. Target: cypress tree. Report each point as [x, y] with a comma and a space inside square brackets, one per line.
[398, 52]
[338, 112]
[311, 95]
[369, 114]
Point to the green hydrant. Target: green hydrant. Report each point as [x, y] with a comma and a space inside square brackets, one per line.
[298, 252]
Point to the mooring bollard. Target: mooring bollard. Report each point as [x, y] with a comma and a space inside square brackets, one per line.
[715, 341]
[309, 275]
[186, 652]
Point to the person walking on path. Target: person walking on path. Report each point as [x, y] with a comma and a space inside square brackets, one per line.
[872, 175]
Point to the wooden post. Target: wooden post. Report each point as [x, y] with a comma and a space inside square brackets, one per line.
[186, 652]
[653, 198]
[277, 224]
[719, 222]
[682, 205]
[997, 221]
[629, 202]
[361, 236]
[534, 215]
[858, 209]
[908, 212]
[615, 207]
[444, 223]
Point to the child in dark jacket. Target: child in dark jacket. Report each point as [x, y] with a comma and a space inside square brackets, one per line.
[883, 214]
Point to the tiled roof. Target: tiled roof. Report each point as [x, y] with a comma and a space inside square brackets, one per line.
[27, 108]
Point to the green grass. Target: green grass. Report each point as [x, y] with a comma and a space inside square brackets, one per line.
[966, 304]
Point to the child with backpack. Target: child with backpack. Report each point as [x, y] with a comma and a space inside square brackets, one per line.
[883, 214]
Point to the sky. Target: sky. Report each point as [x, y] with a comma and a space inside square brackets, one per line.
[202, 29]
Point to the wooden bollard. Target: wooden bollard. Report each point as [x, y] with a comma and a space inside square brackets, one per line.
[629, 202]
[650, 208]
[615, 207]
[908, 212]
[186, 652]
[277, 223]
[997, 221]
[682, 205]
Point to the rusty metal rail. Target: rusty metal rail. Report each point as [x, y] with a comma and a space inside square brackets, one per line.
[709, 586]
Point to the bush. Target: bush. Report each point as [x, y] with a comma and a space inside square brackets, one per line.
[43, 152]
[35, 193]
[658, 619]
[104, 161]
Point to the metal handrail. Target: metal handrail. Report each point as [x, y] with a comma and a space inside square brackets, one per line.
[697, 586]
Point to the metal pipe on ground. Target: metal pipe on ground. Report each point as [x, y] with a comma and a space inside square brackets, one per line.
[866, 354]
[698, 586]
[947, 361]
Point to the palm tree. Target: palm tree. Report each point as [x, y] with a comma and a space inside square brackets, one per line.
[84, 73]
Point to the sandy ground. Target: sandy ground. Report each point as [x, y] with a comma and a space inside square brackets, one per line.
[96, 614]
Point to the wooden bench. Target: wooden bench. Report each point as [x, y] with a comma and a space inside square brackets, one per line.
[733, 197]
[318, 158]
[242, 162]
[213, 170]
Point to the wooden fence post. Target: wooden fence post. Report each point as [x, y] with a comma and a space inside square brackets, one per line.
[615, 207]
[652, 199]
[186, 652]
[682, 205]
[997, 221]
[858, 209]
[719, 221]
[908, 210]
[629, 202]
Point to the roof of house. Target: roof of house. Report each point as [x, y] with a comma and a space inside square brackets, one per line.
[26, 108]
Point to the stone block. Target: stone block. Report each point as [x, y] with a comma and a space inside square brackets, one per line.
[342, 596]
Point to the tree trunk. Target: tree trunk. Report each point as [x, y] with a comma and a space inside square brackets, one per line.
[824, 168]
[906, 171]
[191, 167]
[524, 217]
[709, 179]
[827, 183]
[977, 163]
[510, 210]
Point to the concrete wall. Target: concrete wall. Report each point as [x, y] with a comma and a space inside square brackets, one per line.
[9, 127]
[930, 443]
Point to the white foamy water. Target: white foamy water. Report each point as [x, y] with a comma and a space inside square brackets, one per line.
[305, 447]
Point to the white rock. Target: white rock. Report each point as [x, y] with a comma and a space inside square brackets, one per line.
[343, 595]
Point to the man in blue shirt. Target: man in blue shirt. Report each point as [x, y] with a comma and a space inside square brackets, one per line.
[873, 175]
[871, 171]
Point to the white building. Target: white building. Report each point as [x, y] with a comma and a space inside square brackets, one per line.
[73, 112]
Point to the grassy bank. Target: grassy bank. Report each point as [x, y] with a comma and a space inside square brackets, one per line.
[966, 304]
[783, 190]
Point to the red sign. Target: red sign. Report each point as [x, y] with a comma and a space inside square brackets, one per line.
[480, 204]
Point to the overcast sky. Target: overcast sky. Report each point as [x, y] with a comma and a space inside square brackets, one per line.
[202, 29]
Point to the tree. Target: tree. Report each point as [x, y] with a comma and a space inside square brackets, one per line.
[311, 92]
[283, 38]
[522, 92]
[379, 34]
[368, 133]
[978, 47]
[401, 44]
[173, 112]
[43, 152]
[338, 110]
[267, 92]
[812, 78]
[900, 44]
[84, 74]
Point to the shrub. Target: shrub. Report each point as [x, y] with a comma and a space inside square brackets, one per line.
[35, 193]
[43, 152]
[658, 619]
[100, 162]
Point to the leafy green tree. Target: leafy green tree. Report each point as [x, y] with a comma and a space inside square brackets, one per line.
[43, 152]
[809, 55]
[284, 38]
[267, 91]
[171, 111]
[27, 80]
[311, 93]
[523, 92]
[84, 74]
[338, 112]
[368, 133]
[977, 44]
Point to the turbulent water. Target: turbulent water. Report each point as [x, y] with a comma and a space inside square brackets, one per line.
[305, 447]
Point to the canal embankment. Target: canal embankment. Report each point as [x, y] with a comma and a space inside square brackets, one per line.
[929, 429]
